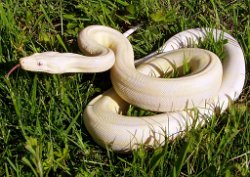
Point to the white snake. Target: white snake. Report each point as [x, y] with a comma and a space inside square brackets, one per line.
[210, 84]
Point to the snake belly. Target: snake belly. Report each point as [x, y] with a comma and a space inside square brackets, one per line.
[211, 84]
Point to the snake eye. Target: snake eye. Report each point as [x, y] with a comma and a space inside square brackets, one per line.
[39, 63]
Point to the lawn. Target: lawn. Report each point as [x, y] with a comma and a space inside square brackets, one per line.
[41, 124]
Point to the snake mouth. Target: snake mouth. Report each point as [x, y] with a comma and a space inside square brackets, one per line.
[27, 64]
[33, 64]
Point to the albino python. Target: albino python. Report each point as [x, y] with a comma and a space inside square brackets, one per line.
[210, 84]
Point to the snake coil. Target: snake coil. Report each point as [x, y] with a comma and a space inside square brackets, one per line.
[210, 84]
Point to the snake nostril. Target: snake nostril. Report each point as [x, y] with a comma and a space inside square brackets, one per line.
[22, 62]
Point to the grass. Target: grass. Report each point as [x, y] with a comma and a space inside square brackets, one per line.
[41, 125]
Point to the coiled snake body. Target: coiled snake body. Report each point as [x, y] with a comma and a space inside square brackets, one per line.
[210, 84]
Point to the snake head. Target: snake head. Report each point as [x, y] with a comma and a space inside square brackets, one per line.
[38, 62]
